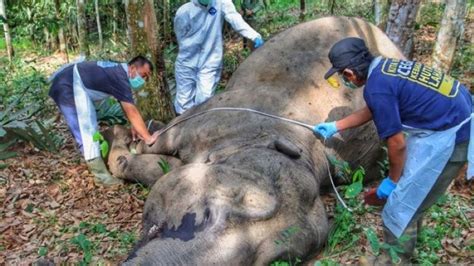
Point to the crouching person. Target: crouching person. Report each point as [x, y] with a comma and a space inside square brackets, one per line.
[76, 87]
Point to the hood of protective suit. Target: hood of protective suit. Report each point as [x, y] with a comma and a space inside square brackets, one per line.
[196, 2]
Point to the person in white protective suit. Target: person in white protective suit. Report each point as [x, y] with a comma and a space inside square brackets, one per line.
[76, 86]
[425, 116]
[198, 27]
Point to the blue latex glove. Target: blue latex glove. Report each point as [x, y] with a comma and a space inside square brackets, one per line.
[258, 42]
[385, 188]
[325, 129]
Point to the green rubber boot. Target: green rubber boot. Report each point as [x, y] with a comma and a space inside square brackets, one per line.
[101, 174]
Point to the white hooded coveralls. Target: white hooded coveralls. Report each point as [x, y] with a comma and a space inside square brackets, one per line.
[198, 66]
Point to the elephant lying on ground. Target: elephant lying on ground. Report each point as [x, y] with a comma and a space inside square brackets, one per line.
[243, 188]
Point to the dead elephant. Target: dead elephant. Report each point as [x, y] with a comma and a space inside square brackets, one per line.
[247, 191]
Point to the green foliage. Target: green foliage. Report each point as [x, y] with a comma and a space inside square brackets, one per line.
[463, 65]
[373, 240]
[21, 123]
[42, 251]
[342, 168]
[345, 232]
[326, 262]
[441, 216]
[110, 112]
[5, 154]
[22, 80]
[430, 15]
[88, 236]
[284, 239]
[356, 187]
[103, 144]
[164, 165]
[85, 246]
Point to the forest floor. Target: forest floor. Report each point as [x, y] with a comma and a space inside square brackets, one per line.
[51, 209]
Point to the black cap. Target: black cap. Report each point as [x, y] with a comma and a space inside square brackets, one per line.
[346, 53]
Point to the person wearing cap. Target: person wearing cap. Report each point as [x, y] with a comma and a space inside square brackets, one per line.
[425, 117]
[198, 26]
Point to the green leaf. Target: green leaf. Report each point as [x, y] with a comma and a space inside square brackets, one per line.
[394, 256]
[29, 208]
[358, 175]
[7, 155]
[373, 240]
[2, 132]
[16, 124]
[97, 136]
[353, 190]
[50, 143]
[164, 165]
[99, 228]
[3, 166]
[404, 238]
[82, 242]
[104, 148]
[42, 251]
[4, 146]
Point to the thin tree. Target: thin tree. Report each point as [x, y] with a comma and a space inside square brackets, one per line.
[302, 9]
[166, 20]
[99, 27]
[401, 24]
[250, 8]
[61, 36]
[381, 13]
[332, 7]
[145, 40]
[452, 28]
[114, 20]
[82, 28]
[6, 30]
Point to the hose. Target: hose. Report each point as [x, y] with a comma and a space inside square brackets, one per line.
[239, 109]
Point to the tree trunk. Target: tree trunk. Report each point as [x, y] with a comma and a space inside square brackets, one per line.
[302, 10]
[99, 27]
[166, 20]
[381, 13]
[82, 28]
[114, 20]
[54, 42]
[6, 30]
[452, 28]
[61, 36]
[46, 38]
[333, 6]
[401, 24]
[155, 103]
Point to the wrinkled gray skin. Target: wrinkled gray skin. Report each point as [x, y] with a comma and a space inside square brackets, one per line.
[247, 191]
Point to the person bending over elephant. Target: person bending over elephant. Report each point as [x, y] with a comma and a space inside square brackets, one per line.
[76, 86]
[431, 108]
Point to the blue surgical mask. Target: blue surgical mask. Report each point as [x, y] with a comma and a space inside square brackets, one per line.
[137, 82]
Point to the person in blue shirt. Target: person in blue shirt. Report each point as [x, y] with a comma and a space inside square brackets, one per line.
[75, 87]
[425, 117]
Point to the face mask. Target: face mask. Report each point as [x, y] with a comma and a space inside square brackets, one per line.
[348, 84]
[137, 82]
[204, 2]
